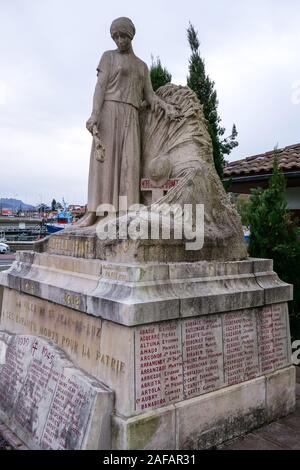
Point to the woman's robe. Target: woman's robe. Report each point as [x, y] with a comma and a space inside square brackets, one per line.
[125, 79]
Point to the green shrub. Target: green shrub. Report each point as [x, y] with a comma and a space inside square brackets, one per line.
[274, 234]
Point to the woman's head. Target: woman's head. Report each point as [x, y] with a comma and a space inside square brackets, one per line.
[122, 31]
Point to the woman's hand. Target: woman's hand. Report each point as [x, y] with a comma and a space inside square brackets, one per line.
[156, 105]
[91, 122]
[172, 112]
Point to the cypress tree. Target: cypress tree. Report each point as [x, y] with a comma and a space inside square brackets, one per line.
[204, 88]
[159, 75]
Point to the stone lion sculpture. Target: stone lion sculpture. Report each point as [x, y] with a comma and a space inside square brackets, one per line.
[182, 150]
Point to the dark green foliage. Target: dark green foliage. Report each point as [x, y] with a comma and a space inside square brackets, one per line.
[242, 203]
[203, 86]
[227, 184]
[159, 75]
[275, 235]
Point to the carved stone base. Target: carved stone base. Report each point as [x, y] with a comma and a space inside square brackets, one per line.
[84, 243]
[169, 339]
[140, 293]
[209, 420]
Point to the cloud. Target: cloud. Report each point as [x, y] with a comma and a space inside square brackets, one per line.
[49, 52]
[3, 93]
[52, 164]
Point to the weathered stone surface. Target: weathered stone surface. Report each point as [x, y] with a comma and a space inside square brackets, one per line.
[201, 422]
[115, 365]
[241, 356]
[77, 247]
[133, 294]
[48, 403]
[273, 289]
[159, 367]
[261, 265]
[159, 335]
[151, 430]
[160, 363]
[89, 341]
[1, 297]
[206, 421]
[216, 298]
[163, 251]
[202, 355]
[280, 393]
[186, 146]
[274, 337]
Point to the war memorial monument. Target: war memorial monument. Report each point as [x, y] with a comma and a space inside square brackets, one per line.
[144, 339]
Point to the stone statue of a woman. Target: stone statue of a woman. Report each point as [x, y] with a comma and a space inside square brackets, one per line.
[123, 84]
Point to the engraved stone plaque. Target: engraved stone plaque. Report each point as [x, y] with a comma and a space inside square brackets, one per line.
[158, 358]
[202, 355]
[273, 337]
[50, 403]
[240, 347]
[177, 360]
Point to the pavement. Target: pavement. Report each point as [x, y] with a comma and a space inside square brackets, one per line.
[283, 434]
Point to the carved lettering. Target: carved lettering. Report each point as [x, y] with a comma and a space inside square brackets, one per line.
[159, 355]
[273, 337]
[114, 364]
[240, 347]
[72, 300]
[44, 395]
[70, 247]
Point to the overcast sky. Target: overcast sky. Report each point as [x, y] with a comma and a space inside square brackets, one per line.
[49, 50]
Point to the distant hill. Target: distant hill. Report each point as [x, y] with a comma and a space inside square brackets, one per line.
[14, 204]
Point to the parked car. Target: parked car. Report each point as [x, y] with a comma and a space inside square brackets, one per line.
[4, 248]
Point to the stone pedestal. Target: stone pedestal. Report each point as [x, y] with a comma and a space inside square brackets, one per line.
[179, 355]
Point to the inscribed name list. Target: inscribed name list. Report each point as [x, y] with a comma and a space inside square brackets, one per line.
[159, 375]
[240, 347]
[49, 402]
[273, 337]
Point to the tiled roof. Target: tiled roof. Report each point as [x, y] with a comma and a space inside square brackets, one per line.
[288, 159]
